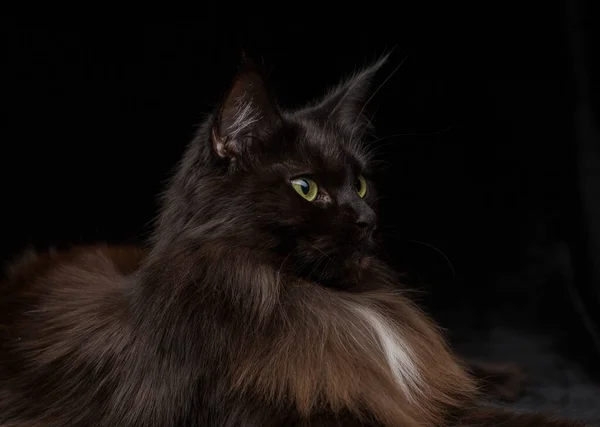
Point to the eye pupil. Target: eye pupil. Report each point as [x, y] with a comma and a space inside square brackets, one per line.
[304, 185]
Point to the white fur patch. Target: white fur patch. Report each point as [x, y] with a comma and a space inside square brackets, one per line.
[397, 352]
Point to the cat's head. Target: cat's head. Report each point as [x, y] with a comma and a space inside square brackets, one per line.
[296, 183]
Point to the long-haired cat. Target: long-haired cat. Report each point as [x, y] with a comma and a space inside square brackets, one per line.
[261, 301]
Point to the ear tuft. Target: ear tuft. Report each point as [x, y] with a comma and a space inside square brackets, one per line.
[345, 104]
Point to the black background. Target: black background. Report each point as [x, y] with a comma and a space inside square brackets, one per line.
[478, 130]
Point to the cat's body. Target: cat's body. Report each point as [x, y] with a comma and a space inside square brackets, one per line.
[260, 303]
[77, 343]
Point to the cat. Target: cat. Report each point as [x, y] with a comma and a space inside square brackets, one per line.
[260, 301]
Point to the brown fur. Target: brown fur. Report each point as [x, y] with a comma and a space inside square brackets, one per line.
[286, 366]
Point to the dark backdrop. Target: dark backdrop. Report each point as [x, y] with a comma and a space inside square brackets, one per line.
[485, 129]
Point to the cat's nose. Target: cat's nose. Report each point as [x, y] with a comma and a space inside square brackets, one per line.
[366, 220]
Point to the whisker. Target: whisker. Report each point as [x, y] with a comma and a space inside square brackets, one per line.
[283, 262]
[317, 249]
[437, 132]
[316, 265]
[438, 251]
[323, 270]
[374, 149]
[376, 200]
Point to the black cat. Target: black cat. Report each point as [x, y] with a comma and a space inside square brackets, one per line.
[261, 301]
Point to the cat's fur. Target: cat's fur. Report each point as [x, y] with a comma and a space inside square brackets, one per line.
[253, 307]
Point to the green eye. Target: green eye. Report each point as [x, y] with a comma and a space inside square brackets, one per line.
[306, 187]
[361, 186]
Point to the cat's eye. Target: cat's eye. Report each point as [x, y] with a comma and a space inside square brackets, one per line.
[306, 187]
[361, 186]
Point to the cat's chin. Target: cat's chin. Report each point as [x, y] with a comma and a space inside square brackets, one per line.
[364, 253]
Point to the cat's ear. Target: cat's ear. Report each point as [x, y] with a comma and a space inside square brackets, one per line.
[345, 105]
[247, 114]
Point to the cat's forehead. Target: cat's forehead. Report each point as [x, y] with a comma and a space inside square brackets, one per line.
[329, 148]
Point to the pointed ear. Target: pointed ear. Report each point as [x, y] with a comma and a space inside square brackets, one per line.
[246, 116]
[346, 104]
